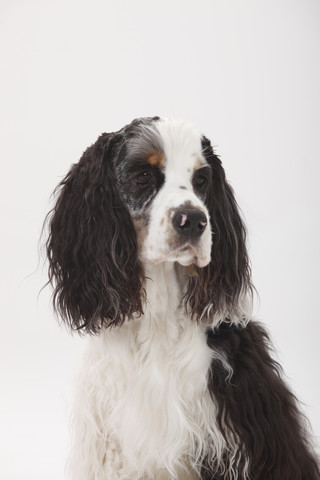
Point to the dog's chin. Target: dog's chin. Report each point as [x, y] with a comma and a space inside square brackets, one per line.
[198, 260]
[185, 256]
[192, 255]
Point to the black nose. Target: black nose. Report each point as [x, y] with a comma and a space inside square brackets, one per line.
[189, 223]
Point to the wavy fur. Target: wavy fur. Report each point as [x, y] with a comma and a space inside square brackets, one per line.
[256, 408]
[92, 248]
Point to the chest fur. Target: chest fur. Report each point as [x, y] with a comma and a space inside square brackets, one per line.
[153, 398]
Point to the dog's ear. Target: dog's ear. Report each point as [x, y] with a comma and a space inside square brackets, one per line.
[92, 247]
[220, 289]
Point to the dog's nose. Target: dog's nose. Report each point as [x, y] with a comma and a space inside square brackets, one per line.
[189, 223]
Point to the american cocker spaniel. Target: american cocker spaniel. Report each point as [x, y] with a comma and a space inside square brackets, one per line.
[147, 255]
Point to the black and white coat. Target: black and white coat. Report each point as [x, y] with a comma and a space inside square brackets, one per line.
[147, 254]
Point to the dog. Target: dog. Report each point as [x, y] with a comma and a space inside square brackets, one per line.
[147, 255]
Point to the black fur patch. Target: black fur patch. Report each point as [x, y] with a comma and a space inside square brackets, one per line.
[257, 408]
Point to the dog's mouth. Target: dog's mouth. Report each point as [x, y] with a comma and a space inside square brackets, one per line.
[186, 255]
[191, 255]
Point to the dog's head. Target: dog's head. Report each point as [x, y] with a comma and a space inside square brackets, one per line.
[163, 179]
[150, 193]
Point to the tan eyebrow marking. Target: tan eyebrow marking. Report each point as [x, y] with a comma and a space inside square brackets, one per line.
[199, 163]
[156, 159]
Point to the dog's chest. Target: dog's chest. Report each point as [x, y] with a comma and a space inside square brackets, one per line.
[154, 378]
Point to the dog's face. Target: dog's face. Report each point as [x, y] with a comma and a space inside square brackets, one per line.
[152, 192]
[164, 179]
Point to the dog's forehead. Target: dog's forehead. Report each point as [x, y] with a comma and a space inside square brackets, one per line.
[174, 145]
[181, 143]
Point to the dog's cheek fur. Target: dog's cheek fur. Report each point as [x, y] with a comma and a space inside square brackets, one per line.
[141, 225]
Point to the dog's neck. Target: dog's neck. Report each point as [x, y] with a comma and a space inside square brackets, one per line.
[164, 321]
[164, 290]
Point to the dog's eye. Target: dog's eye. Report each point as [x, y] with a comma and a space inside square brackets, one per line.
[143, 178]
[200, 181]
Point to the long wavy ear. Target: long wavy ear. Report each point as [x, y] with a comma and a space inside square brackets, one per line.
[92, 247]
[220, 290]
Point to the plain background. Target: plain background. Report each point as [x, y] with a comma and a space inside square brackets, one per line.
[247, 73]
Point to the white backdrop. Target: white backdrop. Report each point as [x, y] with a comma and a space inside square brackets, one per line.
[247, 74]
